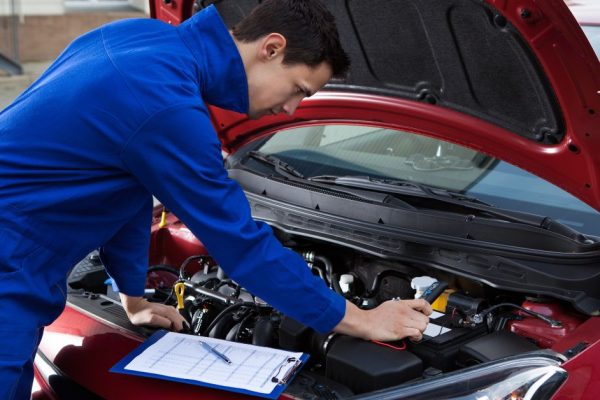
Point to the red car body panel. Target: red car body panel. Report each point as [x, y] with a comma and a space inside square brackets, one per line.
[172, 12]
[77, 339]
[172, 243]
[584, 369]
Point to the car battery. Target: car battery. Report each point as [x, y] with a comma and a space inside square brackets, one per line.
[442, 341]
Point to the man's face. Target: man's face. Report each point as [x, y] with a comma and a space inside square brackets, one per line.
[277, 87]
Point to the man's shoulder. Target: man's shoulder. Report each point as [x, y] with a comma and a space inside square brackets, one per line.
[152, 59]
[127, 27]
[139, 38]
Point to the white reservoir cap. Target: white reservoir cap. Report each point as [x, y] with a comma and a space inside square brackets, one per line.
[420, 283]
[345, 281]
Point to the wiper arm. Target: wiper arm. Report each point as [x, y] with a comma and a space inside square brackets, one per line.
[394, 186]
[280, 166]
[443, 195]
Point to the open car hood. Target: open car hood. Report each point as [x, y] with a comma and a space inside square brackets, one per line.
[521, 71]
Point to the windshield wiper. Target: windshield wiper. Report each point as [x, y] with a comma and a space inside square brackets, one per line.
[394, 186]
[404, 187]
[280, 166]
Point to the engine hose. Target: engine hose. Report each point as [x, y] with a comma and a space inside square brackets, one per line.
[228, 282]
[244, 320]
[328, 268]
[550, 321]
[223, 313]
[210, 283]
[185, 264]
[336, 285]
[223, 328]
[264, 333]
[320, 272]
[233, 332]
[162, 267]
[223, 283]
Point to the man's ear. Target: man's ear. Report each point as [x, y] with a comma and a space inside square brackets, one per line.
[272, 46]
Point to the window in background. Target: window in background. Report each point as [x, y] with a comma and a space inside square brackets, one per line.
[98, 4]
[593, 34]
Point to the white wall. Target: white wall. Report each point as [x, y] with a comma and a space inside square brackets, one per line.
[41, 7]
[143, 5]
[32, 7]
[52, 7]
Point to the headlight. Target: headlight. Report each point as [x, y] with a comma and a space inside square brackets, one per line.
[533, 377]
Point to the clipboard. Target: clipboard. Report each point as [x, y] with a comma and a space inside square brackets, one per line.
[255, 370]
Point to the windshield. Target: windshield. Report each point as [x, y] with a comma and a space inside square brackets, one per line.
[593, 34]
[350, 150]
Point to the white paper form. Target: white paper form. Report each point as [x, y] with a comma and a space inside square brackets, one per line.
[183, 356]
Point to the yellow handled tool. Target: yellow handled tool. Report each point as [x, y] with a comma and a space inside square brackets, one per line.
[163, 218]
[179, 291]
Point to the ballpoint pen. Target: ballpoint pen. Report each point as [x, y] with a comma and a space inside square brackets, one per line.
[215, 352]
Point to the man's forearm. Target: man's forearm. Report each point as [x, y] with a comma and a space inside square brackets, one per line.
[130, 303]
[354, 322]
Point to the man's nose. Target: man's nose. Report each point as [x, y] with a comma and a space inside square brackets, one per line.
[290, 106]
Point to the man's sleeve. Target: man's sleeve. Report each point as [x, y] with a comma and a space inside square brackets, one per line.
[177, 156]
[125, 255]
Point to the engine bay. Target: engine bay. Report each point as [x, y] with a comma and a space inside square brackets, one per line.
[472, 323]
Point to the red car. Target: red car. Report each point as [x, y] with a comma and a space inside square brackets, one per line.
[462, 148]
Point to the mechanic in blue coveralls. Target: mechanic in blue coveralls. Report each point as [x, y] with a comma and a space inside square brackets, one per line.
[119, 117]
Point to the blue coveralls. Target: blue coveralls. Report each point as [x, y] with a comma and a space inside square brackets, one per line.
[117, 117]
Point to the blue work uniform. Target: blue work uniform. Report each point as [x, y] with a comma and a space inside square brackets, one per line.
[117, 118]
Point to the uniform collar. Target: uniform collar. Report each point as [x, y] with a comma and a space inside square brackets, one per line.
[222, 77]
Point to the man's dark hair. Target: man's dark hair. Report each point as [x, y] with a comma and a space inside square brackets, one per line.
[308, 27]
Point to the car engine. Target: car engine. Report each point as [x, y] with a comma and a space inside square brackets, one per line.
[473, 323]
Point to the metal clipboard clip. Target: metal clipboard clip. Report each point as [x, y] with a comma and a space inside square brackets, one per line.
[297, 363]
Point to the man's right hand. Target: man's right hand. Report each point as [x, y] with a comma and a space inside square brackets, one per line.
[142, 312]
[392, 320]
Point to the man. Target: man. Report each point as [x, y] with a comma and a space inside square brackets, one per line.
[119, 117]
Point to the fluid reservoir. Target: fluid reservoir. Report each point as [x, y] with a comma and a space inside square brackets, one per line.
[420, 283]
